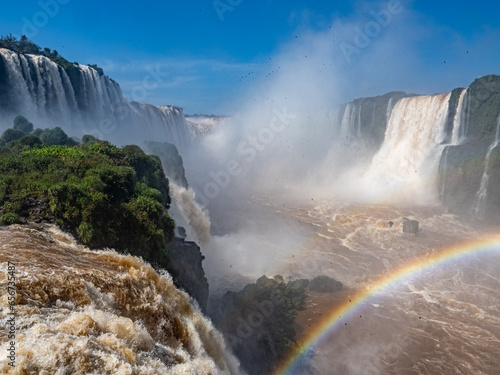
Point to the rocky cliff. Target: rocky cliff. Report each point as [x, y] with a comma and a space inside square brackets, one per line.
[470, 170]
[187, 270]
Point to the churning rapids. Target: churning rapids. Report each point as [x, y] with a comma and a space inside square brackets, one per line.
[438, 319]
[81, 311]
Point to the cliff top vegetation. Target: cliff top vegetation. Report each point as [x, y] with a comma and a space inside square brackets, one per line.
[25, 46]
[104, 195]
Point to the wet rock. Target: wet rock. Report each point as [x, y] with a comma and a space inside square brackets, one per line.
[181, 232]
[36, 210]
[410, 226]
[462, 166]
[187, 270]
[325, 284]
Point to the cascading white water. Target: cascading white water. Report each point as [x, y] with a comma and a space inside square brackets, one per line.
[459, 135]
[38, 85]
[358, 123]
[154, 119]
[350, 127]
[408, 160]
[82, 102]
[80, 312]
[479, 207]
[390, 107]
[191, 212]
[444, 161]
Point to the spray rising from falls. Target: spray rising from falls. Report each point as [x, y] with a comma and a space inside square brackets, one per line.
[479, 208]
[81, 312]
[408, 160]
[191, 212]
[82, 101]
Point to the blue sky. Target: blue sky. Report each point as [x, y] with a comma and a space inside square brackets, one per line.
[208, 53]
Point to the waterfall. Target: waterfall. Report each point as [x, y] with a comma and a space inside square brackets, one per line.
[459, 123]
[443, 170]
[350, 126]
[347, 124]
[101, 312]
[191, 212]
[410, 153]
[457, 137]
[390, 107]
[37, 86]
[81, 101]
[479, 208]
[358, 123]
[155, 118]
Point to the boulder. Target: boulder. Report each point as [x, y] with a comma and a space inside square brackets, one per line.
[181, 232]
[325, 284]
[410, 226]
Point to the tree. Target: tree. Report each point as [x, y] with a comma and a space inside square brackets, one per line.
[29, 140]
[97, 68]
[88, 139]
[12, 135]
[54, 136]
[9, 41]
[26, 46]
[22, 123]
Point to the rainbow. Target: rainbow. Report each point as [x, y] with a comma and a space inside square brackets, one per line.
[346, 310]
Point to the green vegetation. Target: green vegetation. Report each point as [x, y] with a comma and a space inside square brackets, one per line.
[171, 160]
[9, 218]
[98, 69]
[88, 139]
[22, 123]
[106, 196]
[25, 46]
[11, 135]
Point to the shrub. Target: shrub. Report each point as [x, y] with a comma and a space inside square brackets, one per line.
[29, 141]
[22, 123]
[9, 218]
[12, 135]
[88, 139]
[54, 136]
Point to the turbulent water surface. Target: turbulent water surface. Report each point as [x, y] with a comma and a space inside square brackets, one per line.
[439, 320]
[88, 312]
